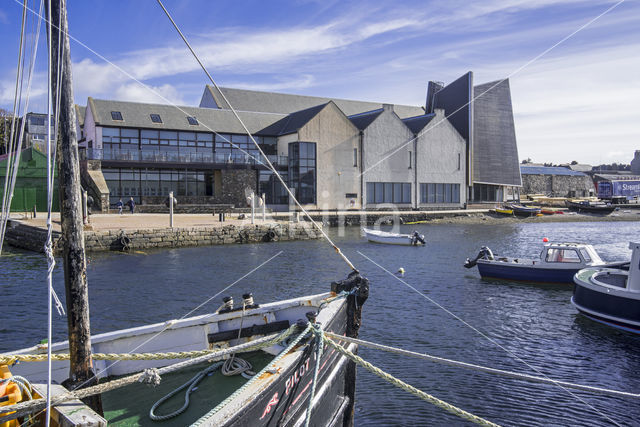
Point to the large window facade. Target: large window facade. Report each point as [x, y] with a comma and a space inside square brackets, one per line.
[388, 192]
[439, 193]
[270, 186]
[184, 147]
[302, 171]
[487, 193]
[126, 182]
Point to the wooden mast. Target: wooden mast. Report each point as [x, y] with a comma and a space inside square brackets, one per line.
[74, 261]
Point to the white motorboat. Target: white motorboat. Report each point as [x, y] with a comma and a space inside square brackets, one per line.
[378, 236]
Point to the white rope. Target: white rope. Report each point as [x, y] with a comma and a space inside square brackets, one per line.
[6, 207]
[269, 164]
[456, 363]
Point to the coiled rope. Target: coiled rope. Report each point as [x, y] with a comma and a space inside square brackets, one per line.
[269, 367]
[189, 385]
[148, 376]
[456, 363]
[409, 388]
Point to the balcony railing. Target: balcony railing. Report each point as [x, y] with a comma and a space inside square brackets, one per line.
[157, 156]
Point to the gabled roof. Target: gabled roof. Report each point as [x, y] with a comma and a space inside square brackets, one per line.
[548, 170]
[80, 112]
[282, 103]
[363, 120]
[293, 122]
[137, 115]
[416, 124]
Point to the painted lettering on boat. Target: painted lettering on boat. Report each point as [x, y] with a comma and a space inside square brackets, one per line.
[272, 402]
[296, 376]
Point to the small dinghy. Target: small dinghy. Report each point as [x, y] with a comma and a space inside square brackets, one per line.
[378, 236]
[611, 295]
[525, 211]
[557, 263]
[592, 207]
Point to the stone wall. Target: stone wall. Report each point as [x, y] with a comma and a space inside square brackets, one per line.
[93, 181]
[33, 238]
[557, 185]
[237, 185]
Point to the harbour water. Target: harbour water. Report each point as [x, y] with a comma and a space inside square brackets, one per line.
[453, 314]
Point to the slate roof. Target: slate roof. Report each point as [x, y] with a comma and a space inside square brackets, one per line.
[80, 111]
[495, 151]
[548, 170]
[137, 115]
[614, 177]
[282, 103]
[416, 124]
[293, 122]
[363, 120]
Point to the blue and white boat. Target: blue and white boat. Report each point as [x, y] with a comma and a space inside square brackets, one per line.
[557, 263]
[611, 295]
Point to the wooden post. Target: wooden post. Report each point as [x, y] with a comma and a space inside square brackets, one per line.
[253, 208]
[73, 258]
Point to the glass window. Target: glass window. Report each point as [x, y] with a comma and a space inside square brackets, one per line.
[406, 193]
[192, 120]
[585, 255]
[370, 192]
[397, 193]
[355, 157]
[562, 255]
[388, 192]
[155, 118]
[116, 115]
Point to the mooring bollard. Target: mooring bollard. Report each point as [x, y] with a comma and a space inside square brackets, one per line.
[253, 208]
[171, 209]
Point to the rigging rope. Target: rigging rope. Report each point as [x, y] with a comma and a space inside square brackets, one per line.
[456, 363]
[6, 198]
[149, 375]
[269, 164]
[409, 388]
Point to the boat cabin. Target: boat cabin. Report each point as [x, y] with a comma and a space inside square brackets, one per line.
[570, 253]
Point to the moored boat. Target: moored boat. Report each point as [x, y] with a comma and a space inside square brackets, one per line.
[593, 207]
[557, 263]
[378, 236]
[277, 395]
[611, 295]
[524, 211]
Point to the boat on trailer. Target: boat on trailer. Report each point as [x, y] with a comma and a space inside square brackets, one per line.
[377, 236]
[557, 263]
[278, 395]
[611, 295]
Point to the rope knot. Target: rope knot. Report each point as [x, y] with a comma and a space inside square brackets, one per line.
[150, 376]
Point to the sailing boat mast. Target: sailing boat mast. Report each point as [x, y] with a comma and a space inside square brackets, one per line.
[74, 260]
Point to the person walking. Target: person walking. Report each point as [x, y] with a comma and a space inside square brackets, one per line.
[131, 204]
[120, 205]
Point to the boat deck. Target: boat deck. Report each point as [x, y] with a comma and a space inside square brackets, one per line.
[130, 405]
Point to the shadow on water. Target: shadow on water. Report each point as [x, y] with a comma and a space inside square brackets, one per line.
[524, 327]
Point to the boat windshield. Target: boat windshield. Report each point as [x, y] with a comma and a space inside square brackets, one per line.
[562, 255]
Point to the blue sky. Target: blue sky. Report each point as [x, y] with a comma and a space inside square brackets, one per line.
[576, 102]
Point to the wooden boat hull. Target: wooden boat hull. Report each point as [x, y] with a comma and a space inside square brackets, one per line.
[508, 212]
[277, 398]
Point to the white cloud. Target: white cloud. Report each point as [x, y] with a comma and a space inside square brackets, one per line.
[157, 95]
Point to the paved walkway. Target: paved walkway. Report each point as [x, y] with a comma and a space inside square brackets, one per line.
[129, 221]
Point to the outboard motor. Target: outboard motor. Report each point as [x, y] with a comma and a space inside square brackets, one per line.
[417, 238]
[485, 253]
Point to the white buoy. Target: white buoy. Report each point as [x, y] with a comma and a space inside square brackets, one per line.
[401, 271]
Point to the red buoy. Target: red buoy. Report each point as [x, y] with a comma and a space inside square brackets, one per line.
[545, 240]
